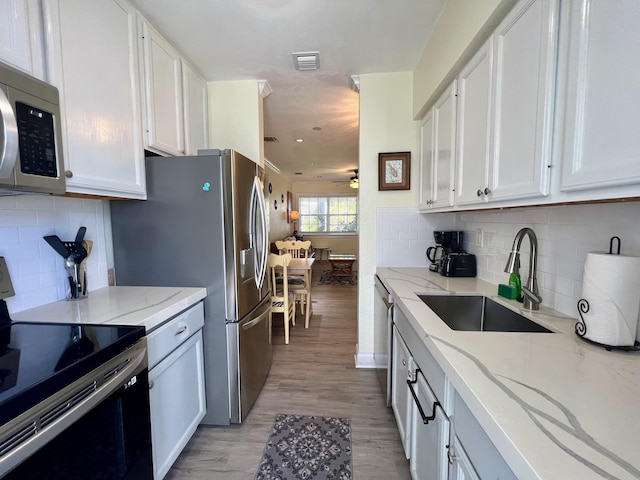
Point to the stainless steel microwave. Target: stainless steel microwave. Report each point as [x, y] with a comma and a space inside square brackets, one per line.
[31, 159]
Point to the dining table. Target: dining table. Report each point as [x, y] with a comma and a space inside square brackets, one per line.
[302, 267]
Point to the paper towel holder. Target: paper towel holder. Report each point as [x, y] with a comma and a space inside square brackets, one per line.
[581, 330]
[611, 245]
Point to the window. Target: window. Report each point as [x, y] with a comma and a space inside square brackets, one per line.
[328, 214]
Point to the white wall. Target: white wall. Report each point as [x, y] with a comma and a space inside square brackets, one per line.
[278, 226]
[36, 270]
[386, 125]
[565, 235]
[462, 27]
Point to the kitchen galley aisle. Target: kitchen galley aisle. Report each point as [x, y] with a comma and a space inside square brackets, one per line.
[313, 375]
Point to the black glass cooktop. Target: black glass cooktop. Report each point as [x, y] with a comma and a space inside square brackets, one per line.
[38, 359]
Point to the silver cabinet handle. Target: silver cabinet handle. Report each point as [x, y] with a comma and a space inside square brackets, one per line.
[151, 384]
[404, 362]
[68, 173]
[487, 191]
[180, 331]
[479, 193]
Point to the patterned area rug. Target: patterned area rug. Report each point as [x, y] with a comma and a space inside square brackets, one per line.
[303, 447]
[325, 279]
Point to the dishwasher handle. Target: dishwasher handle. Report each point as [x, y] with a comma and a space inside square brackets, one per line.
[436, 404]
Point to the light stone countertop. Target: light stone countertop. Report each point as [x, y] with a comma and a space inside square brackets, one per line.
[145, 306]
[555, 406]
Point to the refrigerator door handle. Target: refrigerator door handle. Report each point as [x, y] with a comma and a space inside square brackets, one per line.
[258, 209]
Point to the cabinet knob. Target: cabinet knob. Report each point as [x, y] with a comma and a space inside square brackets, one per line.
[68, 173]
[487, 191]
[151, 384]
[404, 362]
[479, 193]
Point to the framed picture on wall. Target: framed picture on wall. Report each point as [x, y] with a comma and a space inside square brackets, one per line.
[394, 171]
[289, 201]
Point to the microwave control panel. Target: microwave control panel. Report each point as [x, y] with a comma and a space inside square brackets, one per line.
[36, 141]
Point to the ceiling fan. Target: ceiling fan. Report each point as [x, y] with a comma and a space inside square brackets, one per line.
[353, 182]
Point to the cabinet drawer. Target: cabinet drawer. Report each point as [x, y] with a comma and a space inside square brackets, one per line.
[482, 453]
[162, 341]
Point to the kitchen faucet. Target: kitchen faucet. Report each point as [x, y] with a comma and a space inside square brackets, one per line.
[531, 299]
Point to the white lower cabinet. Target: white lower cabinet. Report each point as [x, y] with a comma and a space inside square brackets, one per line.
[441, 437]
[176, 386]
[429, 433]
[461, 467]
[402, 361]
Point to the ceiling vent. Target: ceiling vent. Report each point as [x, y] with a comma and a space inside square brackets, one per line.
[270, 140]
[306, 60]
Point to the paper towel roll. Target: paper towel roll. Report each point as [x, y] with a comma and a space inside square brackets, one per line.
[610, 285]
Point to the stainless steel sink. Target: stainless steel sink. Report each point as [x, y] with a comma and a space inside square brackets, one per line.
[479, 314]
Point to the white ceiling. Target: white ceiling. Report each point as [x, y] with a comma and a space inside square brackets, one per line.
[254, 39]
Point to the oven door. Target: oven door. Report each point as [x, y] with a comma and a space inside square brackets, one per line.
[97, 428]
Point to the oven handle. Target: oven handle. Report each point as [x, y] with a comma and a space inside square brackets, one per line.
[121, 371]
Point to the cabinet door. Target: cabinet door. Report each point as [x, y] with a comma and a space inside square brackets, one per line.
[473, 128]
[461, 467]
[429, 441]
[524, 73]
[177, 402]
[99, 95]
[601, 144]
[426, 162]
[196, 127]
[444, 117]
[21, 35]
[400, 390]
[162, 94]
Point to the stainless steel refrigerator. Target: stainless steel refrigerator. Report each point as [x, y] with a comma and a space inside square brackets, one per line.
[204, 224]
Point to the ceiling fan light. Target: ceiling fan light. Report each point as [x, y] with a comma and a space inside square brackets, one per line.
[354, 183]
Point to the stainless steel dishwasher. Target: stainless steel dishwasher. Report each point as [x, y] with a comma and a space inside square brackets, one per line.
[382, 336]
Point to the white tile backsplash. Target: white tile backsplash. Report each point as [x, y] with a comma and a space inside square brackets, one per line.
[565, 235]
[36, 270]
[403, 235]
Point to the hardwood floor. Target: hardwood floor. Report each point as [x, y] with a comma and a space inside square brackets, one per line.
[313, 375]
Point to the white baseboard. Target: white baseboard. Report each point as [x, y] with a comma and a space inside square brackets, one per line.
[364, 360]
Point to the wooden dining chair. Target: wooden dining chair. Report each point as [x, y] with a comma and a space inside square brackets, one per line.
[282, 298]
[297, 248]
[299, 284]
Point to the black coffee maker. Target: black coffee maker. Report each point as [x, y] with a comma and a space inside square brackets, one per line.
[446, 243]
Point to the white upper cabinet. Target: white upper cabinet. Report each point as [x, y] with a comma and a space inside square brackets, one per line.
[196, 127]
[437, 152]
[444, 121]
[163, 119]
[92, 59]
[175, 98]
[474, 129]
[524, 66]
[601, 139]
[21, 42]
[426, 161]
